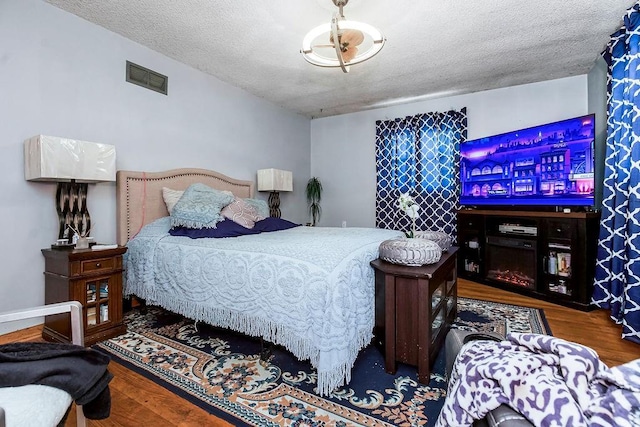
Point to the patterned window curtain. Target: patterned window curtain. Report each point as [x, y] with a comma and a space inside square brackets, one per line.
[617, 281]
[420, 155]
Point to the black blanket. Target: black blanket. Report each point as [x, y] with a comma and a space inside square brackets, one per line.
[81, 372]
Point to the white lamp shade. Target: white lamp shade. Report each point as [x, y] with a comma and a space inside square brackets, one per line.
[317, 50]
[50, 158]
[275, 180]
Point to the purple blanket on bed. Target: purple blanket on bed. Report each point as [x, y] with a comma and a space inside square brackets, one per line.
[548, 380]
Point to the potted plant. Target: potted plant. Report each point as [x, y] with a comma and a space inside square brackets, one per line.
[314, 195]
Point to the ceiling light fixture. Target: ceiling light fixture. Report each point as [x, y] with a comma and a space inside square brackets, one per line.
[356, 42]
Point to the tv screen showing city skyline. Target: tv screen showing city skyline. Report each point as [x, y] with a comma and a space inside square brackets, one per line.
[546, 165]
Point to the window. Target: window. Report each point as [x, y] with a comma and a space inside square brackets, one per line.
[420, 155]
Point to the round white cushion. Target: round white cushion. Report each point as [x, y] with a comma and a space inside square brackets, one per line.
[442, 239]
[34, 405]
[411, 252]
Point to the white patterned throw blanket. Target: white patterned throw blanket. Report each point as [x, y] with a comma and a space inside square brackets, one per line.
[552, 382]
[310, 289]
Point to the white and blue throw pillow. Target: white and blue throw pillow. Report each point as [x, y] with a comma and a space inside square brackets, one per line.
[260, 206]
[199, 207]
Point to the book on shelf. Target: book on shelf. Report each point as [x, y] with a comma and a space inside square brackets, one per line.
[104, 291]
[103, 247]
[91, 316]
[564, 264]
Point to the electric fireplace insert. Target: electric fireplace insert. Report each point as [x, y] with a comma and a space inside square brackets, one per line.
[511, 261]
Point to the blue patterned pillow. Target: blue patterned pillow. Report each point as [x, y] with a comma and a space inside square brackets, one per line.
[260, 206]
[199, 207]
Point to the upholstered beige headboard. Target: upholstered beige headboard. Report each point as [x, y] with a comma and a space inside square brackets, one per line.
[139, 194]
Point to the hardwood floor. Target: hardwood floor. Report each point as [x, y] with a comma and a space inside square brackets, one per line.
[137, 401]
[594, 329]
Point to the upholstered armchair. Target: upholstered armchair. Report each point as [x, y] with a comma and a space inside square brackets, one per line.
[41, 405]
[502, 416]
[551, 380]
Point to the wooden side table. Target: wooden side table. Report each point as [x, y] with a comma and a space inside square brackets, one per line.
[92, 277]
[415, 306]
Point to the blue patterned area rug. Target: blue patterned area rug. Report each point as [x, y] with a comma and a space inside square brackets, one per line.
[221, 372]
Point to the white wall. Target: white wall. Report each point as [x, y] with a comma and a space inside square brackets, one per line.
[343, 147]
[597, 83]
[63, 76]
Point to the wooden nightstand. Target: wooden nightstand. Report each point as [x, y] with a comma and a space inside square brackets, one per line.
[94, 278]
[415, 306]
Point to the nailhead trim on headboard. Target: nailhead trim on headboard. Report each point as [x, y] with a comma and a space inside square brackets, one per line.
[128, 186]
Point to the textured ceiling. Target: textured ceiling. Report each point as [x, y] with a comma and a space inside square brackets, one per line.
[434, 48]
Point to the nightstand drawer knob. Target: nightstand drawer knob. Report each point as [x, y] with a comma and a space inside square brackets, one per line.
[98, 265]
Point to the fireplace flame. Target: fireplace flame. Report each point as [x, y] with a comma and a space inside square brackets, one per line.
[512, 277]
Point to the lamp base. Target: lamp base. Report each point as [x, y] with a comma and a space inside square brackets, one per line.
[274, 204]
[71, 205]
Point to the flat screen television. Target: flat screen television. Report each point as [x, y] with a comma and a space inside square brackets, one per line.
[550, 165]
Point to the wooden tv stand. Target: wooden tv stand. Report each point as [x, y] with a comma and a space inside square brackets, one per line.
[546, 255]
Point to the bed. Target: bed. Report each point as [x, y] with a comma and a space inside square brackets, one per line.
[309, 289]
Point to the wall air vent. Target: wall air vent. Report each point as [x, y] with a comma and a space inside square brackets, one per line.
[145, 77]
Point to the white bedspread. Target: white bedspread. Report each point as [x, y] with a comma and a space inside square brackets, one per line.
[310, 289]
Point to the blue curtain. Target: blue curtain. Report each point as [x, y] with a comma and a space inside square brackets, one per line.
[420, 155]
[617, 281]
